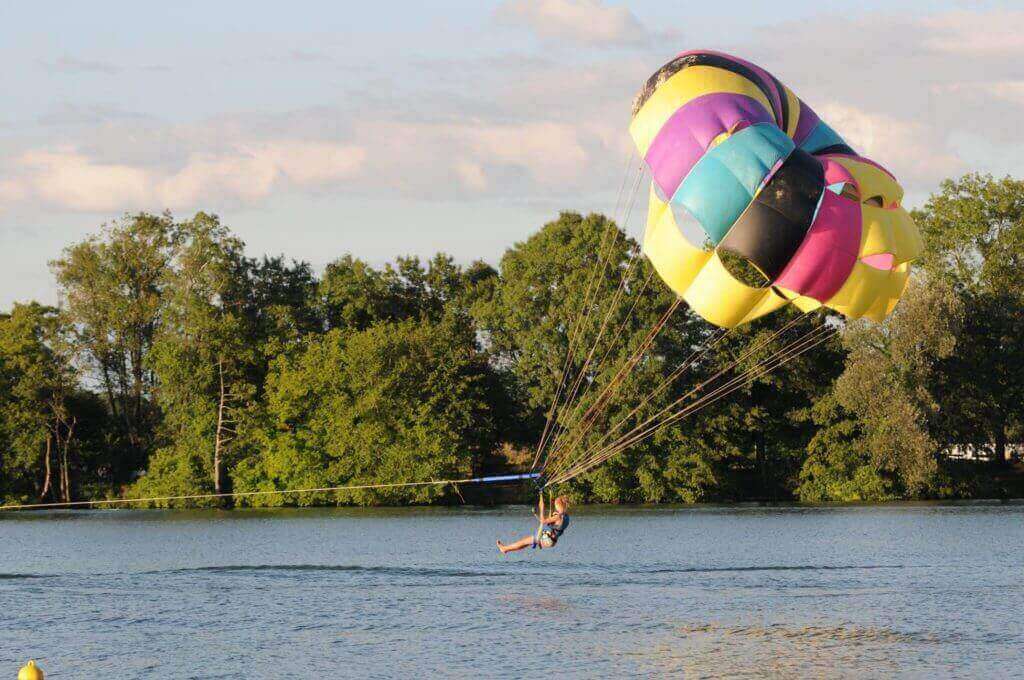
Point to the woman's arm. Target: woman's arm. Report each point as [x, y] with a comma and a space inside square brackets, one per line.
[553, 518]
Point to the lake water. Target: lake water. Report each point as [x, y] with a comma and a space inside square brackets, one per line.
[909, 591]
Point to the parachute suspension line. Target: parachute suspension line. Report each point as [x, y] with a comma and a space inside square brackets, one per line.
[558, 425]
[583, 314]
[612, 306]
[736, 383]
[570, 401]
[716, 337]
[651, 425]
[578, 427]
[573, 337]
[694, 357]
[568, 424]
[569, 357]
[800, 347]
[606, 250]
[275, 492]
[803, 343]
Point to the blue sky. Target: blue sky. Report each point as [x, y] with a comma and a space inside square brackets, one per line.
[381, 129]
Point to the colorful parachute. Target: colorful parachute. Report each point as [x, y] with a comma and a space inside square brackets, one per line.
[773, 187]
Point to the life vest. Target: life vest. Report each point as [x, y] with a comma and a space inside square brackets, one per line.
[555, 531]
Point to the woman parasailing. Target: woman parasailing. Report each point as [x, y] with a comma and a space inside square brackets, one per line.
[548, 532]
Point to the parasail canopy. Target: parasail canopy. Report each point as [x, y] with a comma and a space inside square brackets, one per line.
[788, 211]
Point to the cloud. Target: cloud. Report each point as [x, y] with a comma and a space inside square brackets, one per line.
[916, 153]
[11, 192]
[1011, 91]
[532, 127]
[72, 65]
[908, 87]
[306, 56]
[583, 22]
[477, 158]
[68, 179]
[244, 161]
[550, 152]
[996, 33]
[311, 164]
[86, 114]
[472, 175]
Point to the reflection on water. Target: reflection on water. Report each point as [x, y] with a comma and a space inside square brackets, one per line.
[534, 603]
[811, 634]
[779, 650]
[914, 591]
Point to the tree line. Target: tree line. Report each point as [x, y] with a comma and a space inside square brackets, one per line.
[177, 365]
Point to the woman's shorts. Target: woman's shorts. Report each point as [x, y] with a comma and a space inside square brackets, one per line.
[543, 541]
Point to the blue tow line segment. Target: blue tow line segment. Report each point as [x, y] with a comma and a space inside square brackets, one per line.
[505, 478]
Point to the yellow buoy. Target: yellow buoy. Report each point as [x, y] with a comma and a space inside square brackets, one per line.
[30, 672]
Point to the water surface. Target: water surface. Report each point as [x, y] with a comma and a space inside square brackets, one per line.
[909, 591]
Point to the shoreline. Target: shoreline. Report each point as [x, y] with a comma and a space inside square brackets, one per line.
[583, 508]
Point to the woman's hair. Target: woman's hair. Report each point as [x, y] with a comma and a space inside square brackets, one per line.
[563, 501]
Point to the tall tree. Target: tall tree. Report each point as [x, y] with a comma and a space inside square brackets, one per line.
[277, 300]
[352, 295]
[889, 386]
[112, 285]
[38, 418]
[974, 227]
[403, 401]
[201, 357]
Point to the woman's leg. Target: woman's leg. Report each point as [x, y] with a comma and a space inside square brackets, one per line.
[524, 542]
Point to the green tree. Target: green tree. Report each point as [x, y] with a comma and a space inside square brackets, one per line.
[352, 295]
[974, 228]
[112, 287]
[276, 298]
[889, 386]
[398, 402]
[38, 418]
[201, 358]
[840, 466]
[754, 440]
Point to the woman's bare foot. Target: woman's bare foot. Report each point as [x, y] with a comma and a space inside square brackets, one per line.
[501, 547]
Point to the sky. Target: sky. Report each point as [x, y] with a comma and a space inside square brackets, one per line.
[315, 128]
